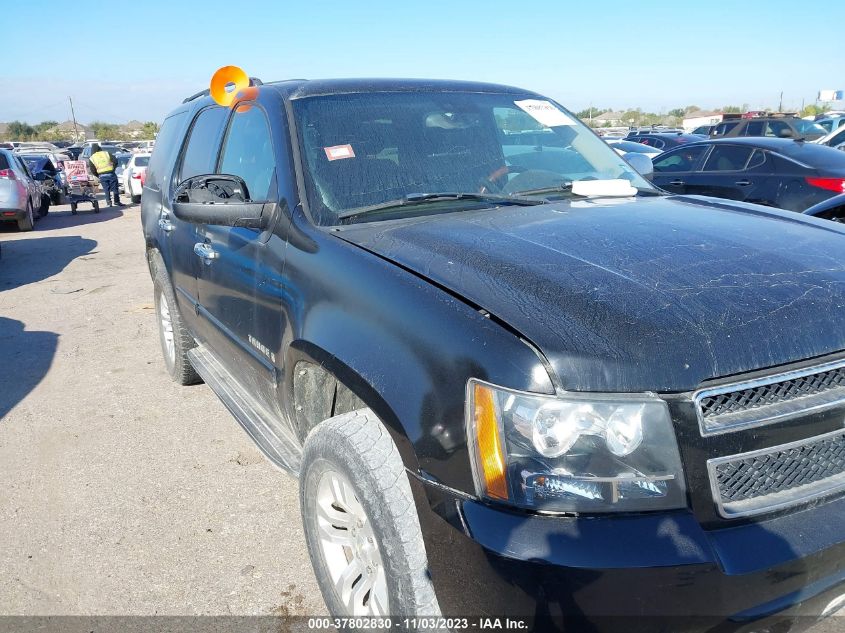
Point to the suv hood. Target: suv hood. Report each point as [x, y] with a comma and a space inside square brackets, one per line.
[640, 294]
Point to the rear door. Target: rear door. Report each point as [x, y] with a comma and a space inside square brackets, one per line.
[673, 169]
[724, 174]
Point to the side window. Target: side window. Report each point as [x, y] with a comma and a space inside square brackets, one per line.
[200, 153]
[683, 159]
[724, 128]
[778, 129]
[758, 159]
[755, 128]
[728, 158]
[248, 151]
[165, 146]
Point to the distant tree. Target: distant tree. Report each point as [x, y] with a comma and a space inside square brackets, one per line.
[730, 109]
[815, 110]
[591, 112]
[691, 108]
[149, 130]
[632, 116]
[19, 131]
[106, 131]
[678, 113]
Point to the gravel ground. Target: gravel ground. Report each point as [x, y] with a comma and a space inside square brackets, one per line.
[123, 493]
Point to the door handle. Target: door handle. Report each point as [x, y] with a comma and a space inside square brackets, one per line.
[742, 183]
[165, 225]
[677, 183]
[205, 251]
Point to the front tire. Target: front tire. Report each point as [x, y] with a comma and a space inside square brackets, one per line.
[175, 339]
[360, 521]
[136, 199]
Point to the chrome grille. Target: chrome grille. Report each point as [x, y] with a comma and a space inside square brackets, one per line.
[777, 477]
[764, 400]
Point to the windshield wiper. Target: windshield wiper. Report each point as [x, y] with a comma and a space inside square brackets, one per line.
[564, 187]
[419, 198]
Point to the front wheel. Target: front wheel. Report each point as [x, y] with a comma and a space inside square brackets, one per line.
[136, 199]
[360, 521]
[175, 339]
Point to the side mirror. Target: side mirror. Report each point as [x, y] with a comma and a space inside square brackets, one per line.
[221, 200]
[641, 163]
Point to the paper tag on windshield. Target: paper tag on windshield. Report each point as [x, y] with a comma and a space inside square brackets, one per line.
[617, 187]
[544, 112]
[336, 152]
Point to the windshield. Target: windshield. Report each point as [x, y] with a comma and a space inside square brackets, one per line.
[366, 149]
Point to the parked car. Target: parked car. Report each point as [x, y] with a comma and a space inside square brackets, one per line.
[774, 127]
[122, 160]
[111, 149]
[663, 142]
[73, 151]
[623, 147]
[20, 194]
[831, 123]
[45, 171]
[512, 380]
[703, 130]
[792, 175]
[831, 209]
[131, 176]
[835, 139]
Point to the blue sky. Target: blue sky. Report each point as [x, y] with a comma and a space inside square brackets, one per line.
[136, 60]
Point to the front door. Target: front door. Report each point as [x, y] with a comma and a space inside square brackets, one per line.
[240, 268]
[198, 156]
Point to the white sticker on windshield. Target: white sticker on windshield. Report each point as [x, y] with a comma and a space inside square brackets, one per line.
[544, 112]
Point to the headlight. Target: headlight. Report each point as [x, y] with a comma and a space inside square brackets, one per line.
[574, 453]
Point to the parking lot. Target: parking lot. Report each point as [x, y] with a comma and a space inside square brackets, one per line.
[123, 493]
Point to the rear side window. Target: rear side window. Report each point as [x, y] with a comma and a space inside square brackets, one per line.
[142, 161]
[200, 154]
[778, 129]
[165, 148]
[728, 158]
[683, 159]
[755, 128]
[724, 128]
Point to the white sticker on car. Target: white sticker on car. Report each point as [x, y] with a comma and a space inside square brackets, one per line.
[338, 152]
[544, 112]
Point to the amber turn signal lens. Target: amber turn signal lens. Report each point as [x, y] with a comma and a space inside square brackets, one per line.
[491, 453]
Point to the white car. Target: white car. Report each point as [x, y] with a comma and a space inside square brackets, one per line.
[835, 139]
[131, 176]
[623, 147]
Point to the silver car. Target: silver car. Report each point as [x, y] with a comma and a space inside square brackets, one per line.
[20, 194]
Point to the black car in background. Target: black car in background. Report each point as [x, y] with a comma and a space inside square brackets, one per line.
[664, 141]
[831, 209]
[772, 127]
[782, 173]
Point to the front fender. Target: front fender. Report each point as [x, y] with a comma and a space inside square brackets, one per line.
[405, 347]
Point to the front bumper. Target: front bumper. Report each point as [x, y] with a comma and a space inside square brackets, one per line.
[659, 572]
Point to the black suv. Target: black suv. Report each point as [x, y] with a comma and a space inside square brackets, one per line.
[775, 127]
[512, 377]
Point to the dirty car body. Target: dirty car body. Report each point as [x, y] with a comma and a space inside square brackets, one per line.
[346, 289]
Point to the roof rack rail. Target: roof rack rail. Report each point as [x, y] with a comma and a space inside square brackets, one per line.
[253, 81]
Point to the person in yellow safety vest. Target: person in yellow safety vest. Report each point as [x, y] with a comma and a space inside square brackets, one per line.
[103, 165]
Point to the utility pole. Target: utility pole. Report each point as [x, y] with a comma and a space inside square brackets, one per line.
[780, 104]
[73, 115]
